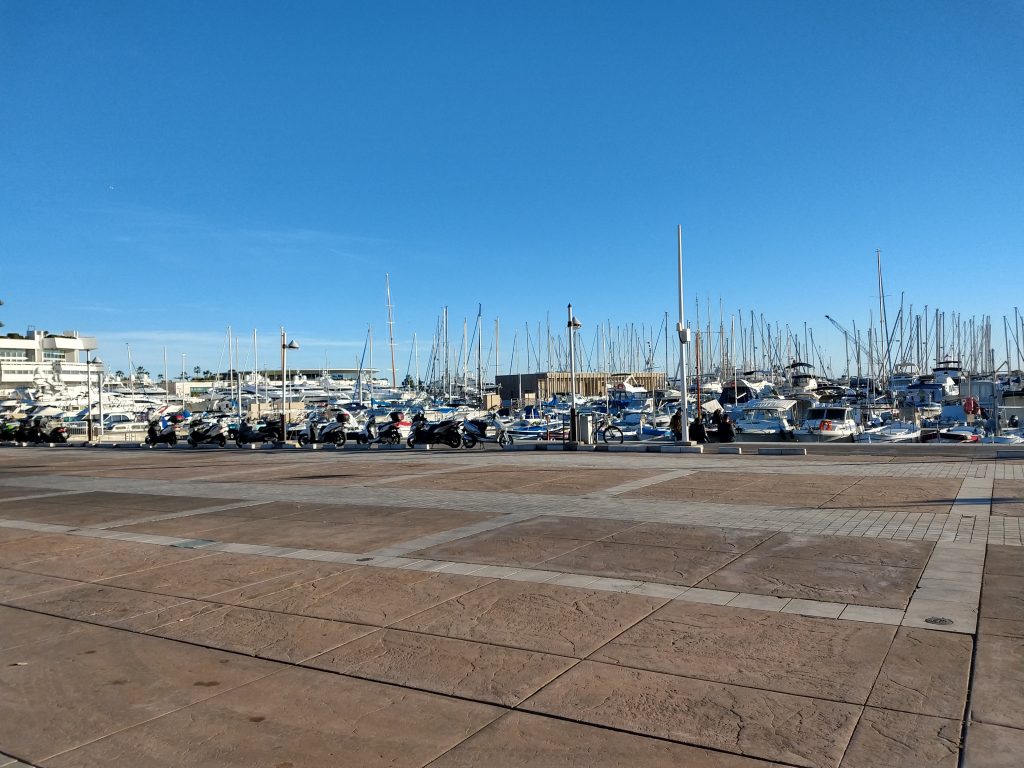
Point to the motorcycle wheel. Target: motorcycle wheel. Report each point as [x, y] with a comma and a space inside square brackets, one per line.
[192, 443]
[222, 441]
[393, 438]
[454, 440]
[468, 441]
[411, 442]
[238, 442]
[303, 439]
[504, 439]
[149, 440]
[342, 438]
[173, 439]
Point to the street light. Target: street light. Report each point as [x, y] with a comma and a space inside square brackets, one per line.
[285, 346]
[89, 363]
[572, 325]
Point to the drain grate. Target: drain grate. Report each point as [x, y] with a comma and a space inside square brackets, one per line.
[941, 620]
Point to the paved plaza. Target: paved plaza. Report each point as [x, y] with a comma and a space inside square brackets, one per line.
[287, 608]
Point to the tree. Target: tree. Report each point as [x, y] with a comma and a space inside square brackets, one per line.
[196, 370]
[119, 374]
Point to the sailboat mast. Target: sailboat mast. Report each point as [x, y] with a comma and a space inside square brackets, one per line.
[391, 330]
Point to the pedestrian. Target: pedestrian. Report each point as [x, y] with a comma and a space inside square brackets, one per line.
[726, 433]
[698, 432]
[676, 425]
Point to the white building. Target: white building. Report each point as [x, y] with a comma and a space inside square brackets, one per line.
[40, 359]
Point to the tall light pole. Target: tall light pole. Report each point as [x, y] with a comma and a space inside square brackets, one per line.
[285, 346]
[99, 386]
[89, 363]
[572, 325]
[683, 331]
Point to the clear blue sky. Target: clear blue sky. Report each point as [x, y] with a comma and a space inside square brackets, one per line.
[168, 169]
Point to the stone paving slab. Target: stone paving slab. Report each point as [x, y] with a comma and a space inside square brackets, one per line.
[871, 585]
[841, 549]
[1008, 498]
[205, 576]
[297, 717]
[41, 546]
[692, 537]
[108, 559]
[998, 694]
[471, 670]
[500, 548]
[375, 596]
[926, 673]
[96, 603]
[667, 565]
[887, 738]
[584, 528]
[548, 481]
[762, 724]
[98, 681]
[521, 740]
[993, 746]
[836, 660]
[18, 584]
[19, 627]
[552, 619]
[264, 634]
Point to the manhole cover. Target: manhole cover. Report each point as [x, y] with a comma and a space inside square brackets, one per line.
[942, 620]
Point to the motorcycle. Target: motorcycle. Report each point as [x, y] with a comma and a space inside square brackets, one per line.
[440, 433]
[476, 431]
[390, 433]
[38, 430]
[335, 432]
[9, 431]
[201, 432]
[246, 434]
[162, 431]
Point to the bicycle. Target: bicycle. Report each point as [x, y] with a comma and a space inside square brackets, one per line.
[606, 432]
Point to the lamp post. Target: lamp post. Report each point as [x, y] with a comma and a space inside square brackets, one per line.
[684, 339]
[89, 363]
[285, 346]
[572, 325]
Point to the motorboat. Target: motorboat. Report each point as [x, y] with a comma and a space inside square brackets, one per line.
[765, 420]
[827, 424]
[961, 433]
[891, 432]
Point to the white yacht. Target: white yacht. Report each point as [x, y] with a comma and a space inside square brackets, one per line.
[827, 424]
[765, 420]
[891, 432]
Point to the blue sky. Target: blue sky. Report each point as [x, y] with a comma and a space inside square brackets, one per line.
[169, 169]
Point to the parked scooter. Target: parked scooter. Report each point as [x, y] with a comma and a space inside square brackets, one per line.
[163, 431]
[246, 434]
[335, 432]
[8, 431]
[38, 430]
[391, 432]
[489, 429]
[440, 433]
[201, 432]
